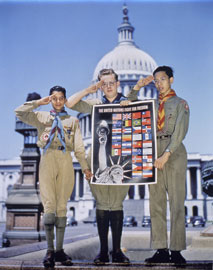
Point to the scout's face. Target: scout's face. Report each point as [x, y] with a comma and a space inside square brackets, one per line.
[109, 86]
[163, 82]
[58, 100]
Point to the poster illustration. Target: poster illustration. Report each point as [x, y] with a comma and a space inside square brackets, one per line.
[124, 144]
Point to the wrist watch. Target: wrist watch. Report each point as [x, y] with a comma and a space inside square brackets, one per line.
[167, 151]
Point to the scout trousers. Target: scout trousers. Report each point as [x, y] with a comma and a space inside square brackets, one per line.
[56, 180]
[108, 197]
[171, 181]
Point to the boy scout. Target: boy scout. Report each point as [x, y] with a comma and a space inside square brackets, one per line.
[58, 135]
[109, 199]
[172, 126]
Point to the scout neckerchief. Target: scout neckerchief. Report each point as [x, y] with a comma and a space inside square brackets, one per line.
[161, 111]
[57, 125]
[118, 99]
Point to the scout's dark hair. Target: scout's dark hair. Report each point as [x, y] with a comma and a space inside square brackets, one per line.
[107, 71]
[58, 89]
[168, 70]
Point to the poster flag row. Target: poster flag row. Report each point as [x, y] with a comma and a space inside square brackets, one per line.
[124, 144]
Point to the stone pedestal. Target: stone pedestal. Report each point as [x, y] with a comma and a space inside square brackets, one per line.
[24, 207]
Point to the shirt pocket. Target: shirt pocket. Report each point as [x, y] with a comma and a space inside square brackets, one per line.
[170, 120]
[69, 136]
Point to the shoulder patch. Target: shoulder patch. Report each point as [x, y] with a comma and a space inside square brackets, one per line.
[45, 136]
[186, 106]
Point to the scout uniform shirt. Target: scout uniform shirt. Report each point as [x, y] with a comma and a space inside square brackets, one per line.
[43, 122]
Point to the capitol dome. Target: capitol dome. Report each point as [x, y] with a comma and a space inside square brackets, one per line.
[128, 61]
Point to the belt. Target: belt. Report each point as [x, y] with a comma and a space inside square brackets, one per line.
[164, 137]
[57, 147]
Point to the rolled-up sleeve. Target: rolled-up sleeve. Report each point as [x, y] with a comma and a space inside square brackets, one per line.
[25, 113]
[85, 106]
[132, 95]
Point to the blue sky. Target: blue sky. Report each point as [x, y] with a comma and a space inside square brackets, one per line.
[47, 43]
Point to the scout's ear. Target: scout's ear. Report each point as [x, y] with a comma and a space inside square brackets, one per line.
[118, 83]
[171, 79]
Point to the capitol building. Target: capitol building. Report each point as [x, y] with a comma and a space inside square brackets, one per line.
[130, 63]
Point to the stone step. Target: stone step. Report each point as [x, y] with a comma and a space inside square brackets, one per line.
[37, 265]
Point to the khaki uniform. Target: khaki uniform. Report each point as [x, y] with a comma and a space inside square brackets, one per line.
[172, 178]
[107, 197]
[56, 172]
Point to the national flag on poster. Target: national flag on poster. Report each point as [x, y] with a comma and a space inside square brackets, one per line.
[147, 144]
[116, 144]
[127, 130]
[146, 114]
[136, 122]
[147, 151]
[116, 137]
[116, 124]
[126, 116]
[147, 136]
[147, 174]
[136, 137]
[147, 166]
[116, 152]
[128, 123]
[136, 115]
[146, 129]
[116, 130]
[147, 158]
[126, 137]
[136, 129]
[137, 174]
[137, 151]
[146, 121]
[137, 144]
[116, 116]
[136, 166]
[126, 151]
[126, 145]
[136, 159]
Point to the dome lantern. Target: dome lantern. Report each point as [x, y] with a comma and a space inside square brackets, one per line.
[125, 30]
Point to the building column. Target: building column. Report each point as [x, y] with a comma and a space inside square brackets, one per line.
[136, 192]
[198, 178]
[146, 195]
[188, 185]
[126, 90]
[82, 127]
[77, 177]
[148, 93]
[87, 193]
[87, 126]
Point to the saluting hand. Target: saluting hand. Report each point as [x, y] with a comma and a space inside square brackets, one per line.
[143, 82]
[94, 88]
[45, 100]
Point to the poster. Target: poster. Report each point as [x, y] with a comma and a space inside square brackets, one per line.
[124, 144]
